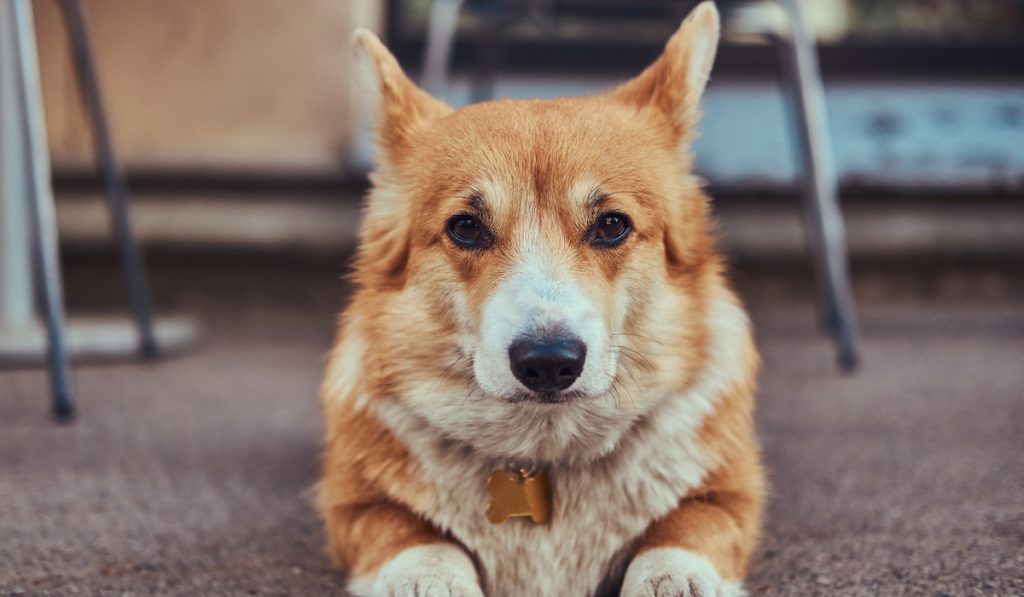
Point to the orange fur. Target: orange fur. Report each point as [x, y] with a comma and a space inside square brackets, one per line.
[530, 171]
[721, 519]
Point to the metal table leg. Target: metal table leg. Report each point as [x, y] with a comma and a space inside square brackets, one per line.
[131, 259]
[19, 13]
[824, 221]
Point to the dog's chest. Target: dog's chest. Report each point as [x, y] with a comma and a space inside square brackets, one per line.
[598, 510]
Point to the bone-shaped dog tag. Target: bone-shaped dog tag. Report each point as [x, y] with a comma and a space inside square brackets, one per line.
[522, 495]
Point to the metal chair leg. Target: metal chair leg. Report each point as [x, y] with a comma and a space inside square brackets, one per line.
[824, 221]
[131, 259]
[42, 208]
[812, 231]
[444, 18]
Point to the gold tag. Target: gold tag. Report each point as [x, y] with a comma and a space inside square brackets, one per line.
[522, 495]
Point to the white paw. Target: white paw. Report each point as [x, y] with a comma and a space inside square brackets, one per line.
[438, 570]
[431, 584]
[674, 572]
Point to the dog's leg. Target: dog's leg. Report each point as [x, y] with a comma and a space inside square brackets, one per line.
[390, 551]
[369, 492]
[701, 548]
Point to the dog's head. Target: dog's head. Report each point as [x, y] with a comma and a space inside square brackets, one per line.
[537, 266]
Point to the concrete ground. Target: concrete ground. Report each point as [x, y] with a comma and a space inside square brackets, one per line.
[191, 475]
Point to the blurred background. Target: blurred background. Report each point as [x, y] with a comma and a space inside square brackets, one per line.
[211, 106]
[246, 154]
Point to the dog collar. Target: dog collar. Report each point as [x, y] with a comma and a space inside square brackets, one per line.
[523, 494]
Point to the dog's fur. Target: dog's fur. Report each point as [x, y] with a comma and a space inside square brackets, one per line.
[656, 479]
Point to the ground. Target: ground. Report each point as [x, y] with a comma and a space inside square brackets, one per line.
[192, 475]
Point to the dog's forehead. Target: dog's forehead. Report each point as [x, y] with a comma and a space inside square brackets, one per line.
[540, 148]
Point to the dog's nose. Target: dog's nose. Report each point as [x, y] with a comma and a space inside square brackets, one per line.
[548, 364]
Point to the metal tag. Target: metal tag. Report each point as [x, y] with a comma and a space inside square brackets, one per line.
[523, 495]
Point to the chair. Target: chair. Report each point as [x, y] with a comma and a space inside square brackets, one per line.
[823, 219]
[27, 192]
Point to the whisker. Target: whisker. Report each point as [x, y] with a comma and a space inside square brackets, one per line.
[631, 400]
[639, 361]
[614, 389]
[472, 390]
[612, 394]
[642, 337]
[635, 357]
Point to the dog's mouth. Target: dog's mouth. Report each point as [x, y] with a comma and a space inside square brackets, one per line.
[548, 397]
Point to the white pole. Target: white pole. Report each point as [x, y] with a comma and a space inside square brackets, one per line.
[17, 295]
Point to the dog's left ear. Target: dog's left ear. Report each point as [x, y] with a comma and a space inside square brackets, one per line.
[674, 83]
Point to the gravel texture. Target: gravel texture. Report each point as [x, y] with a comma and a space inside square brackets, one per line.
[192, 475]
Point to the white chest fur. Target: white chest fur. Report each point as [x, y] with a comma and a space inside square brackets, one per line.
[599, 507]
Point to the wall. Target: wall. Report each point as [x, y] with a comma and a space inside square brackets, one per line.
[246, 85]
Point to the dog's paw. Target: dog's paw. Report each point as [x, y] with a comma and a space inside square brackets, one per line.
[673, 572]
[438, 570]
[430, 584]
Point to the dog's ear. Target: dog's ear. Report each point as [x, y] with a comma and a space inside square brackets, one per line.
[674, 83]
[399, 107]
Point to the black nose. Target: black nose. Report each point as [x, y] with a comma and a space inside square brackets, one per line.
[547, 364]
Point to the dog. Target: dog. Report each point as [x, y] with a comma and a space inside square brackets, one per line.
[543, 383]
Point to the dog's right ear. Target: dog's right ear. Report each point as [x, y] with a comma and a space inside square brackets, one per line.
[399, 107]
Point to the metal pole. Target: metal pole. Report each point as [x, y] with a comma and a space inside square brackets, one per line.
[17, 294]
[811, 213]
[42, 210]
[444, 19]
[131, 258]
[821, 196]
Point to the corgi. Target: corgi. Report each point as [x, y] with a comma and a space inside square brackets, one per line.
[543, 383]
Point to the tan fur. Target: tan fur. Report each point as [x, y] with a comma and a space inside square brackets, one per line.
[531, 171]
[722, 518]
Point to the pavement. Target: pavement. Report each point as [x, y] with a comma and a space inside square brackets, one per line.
[192, 475]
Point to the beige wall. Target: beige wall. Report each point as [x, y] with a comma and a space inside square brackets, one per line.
[211, 84]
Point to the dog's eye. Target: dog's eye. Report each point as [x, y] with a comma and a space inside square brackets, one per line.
[610, 229]
[467, 232]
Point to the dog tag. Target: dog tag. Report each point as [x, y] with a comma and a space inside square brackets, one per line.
[523, 495]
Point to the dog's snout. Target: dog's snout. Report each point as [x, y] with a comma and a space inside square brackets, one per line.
[547, 364]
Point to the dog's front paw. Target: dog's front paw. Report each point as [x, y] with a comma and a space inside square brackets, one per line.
[438, 570]
[674, 572]
[433, 583]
